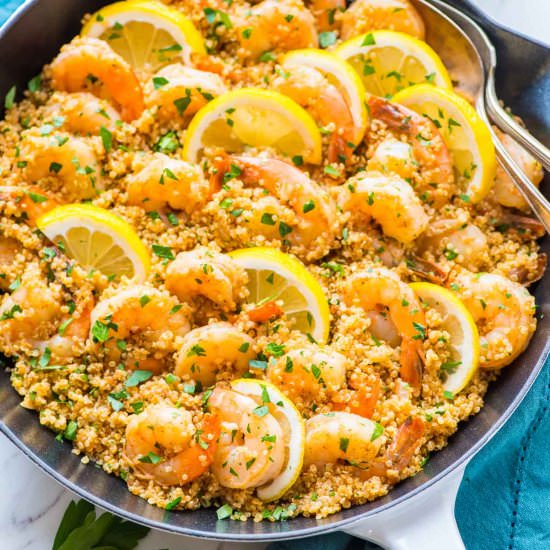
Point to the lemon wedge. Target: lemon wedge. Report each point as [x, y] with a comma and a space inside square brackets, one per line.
[459, 323]
[293, 426]
[339, 73]
[389, 61]
[254, 117]
[466, 135]
[274, 276]
[147, 34]
[97, 239]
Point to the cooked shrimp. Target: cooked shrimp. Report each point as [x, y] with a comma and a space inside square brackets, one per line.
[81, 113]
[393, 156]
[275, 25]
[159, 181]
[265, 312]
[9, 249]
[31, 310]
[326, 104]
[89, 64]
[379, 287]
[305, 373]
[178, 91]
[251, 448]
[207, 351]
[28, 202]
[203, 272]
[504, 312]
[341, 437]
[404, 445]
[389, 201]
[34, 317]
[164, 443]
[362, 401]
[138, 325]
[368, 15]
[315, 210]
[325, 13]
[459, 240]
[72, 332]
[506, 192]
[70, 161]
[432, 157]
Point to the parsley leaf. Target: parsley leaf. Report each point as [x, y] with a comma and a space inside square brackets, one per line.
[106, 138]
[81, 529]
[164, 252]
[368, 40]
[10, 98]
[168, 143]
[327, 38]
[224, 511]
[137, 377]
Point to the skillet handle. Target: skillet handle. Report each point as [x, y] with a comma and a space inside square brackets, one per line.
[424, 522]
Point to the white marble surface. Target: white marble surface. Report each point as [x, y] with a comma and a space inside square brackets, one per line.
[31, 504]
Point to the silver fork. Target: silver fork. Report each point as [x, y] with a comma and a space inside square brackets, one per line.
[471, 58]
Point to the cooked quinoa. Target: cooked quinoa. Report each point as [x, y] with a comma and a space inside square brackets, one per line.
[93, 354]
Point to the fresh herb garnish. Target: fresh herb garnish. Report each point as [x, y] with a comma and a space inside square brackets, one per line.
[80, 529]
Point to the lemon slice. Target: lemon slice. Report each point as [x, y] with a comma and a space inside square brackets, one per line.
[389, 61]
[339, 73]
[466, 135]
[274, 276]
[293, 426]
[147, 34]
[97, 239]
[459, 323]
[254, 117]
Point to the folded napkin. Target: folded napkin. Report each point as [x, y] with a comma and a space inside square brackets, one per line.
[504, 500]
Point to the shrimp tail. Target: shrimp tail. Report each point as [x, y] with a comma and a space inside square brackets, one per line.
[363, 401]
[197, 459]
[412, 363]
[220, 167]
[405, 443]
[339, 150]
[265, 312]
[390, 113]
[430, 271]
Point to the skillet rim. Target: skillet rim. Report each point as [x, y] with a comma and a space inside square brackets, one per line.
[327, 525]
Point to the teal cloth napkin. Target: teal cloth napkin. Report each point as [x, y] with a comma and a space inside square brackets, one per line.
[504, 500]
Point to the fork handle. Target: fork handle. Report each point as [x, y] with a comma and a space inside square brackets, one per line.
[508, 125]
[537, 201]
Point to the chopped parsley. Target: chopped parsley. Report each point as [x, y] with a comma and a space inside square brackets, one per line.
[327, 38]
[106, 138]
[168, 143]
[9, 100]
[137, 377]
[224, 511]
[368, 40]
[159, 82]
[164, 252]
